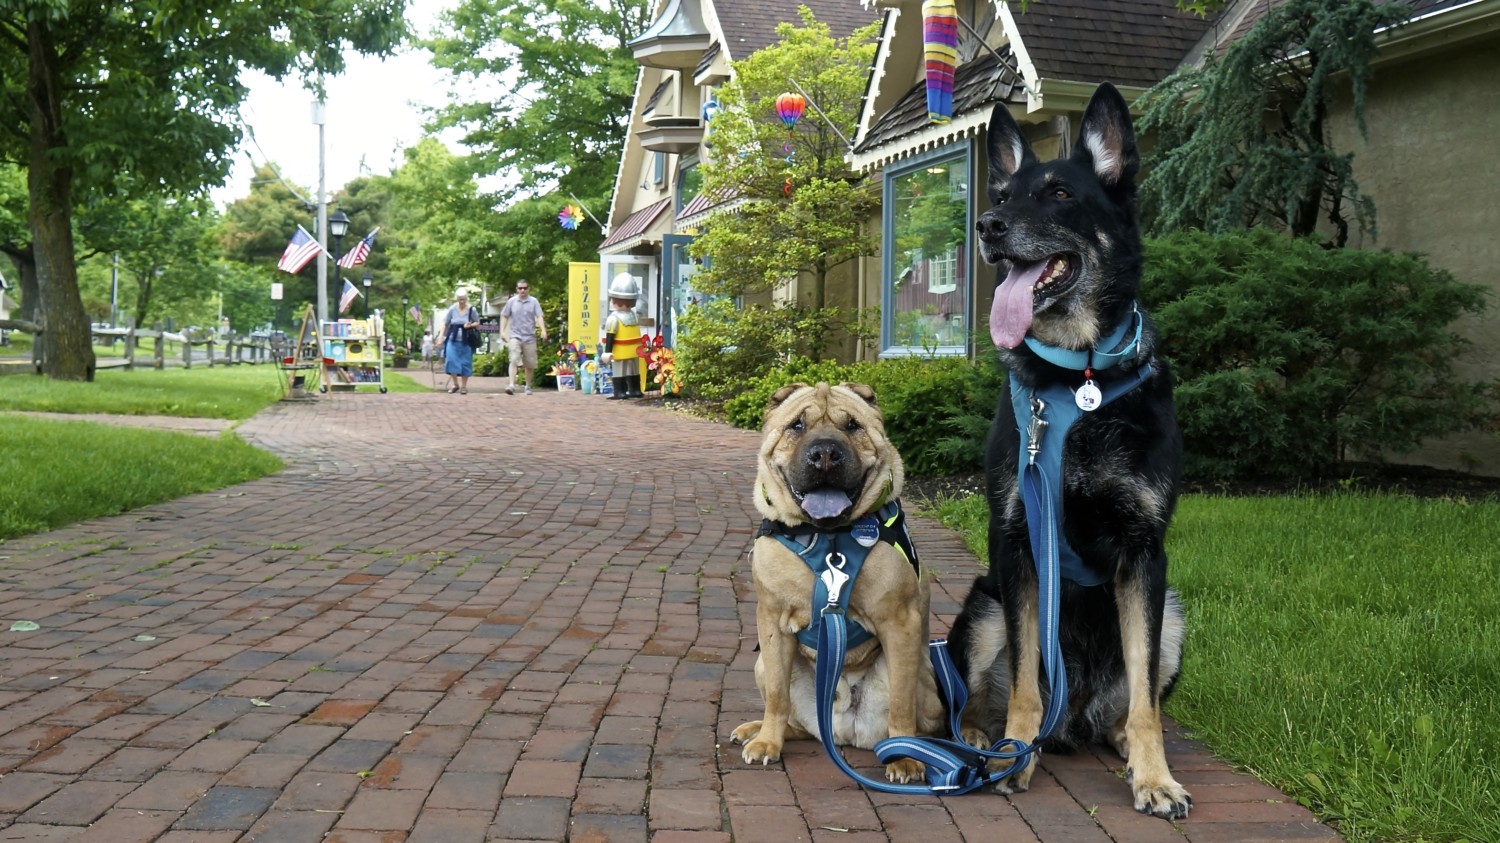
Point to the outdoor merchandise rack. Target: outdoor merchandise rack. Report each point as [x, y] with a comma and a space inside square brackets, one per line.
[353, 354]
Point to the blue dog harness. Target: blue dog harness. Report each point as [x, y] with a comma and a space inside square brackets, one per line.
[836, 556]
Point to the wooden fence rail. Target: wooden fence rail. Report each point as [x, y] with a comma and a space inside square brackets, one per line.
[235, 349]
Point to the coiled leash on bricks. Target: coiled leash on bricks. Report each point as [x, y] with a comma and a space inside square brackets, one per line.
[952, 766]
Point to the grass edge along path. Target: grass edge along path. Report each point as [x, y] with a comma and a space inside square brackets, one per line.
[1342, 649]
[54, 473]
[222, 392]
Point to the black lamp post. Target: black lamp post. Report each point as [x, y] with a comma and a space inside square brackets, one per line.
[368, 280]
[338, 225]
[405, 309]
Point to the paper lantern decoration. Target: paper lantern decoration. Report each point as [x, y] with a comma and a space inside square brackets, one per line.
[940, 49]
[570, 216]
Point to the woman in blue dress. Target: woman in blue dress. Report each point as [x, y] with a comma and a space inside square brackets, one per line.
[459, 358]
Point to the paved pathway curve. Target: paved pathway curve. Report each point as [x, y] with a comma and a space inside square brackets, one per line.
[462, 618]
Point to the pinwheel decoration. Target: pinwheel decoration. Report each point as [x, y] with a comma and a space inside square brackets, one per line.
[570, 216]
[789, 108]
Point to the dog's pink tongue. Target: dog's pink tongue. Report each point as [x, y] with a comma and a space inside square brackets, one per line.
[826, 503]
[1010, 315]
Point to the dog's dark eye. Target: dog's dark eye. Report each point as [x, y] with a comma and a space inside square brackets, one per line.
[796, 426]
[852, 425]
[1002, 197]
[1061, 194]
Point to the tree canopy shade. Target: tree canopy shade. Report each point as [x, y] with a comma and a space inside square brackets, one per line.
[817, 222]
[142, 96]
[555, 80]
[1244, 140]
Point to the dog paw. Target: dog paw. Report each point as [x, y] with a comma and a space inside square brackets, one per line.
[904, 770]
[1166, 799]
[975, 737]
[1019, 782]
[745, 732]
[761, 750]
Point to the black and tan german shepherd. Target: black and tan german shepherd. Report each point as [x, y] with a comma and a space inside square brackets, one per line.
[1067, 229]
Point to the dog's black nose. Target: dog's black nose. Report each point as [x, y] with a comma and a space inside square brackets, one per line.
[990, 227]
[824, 456]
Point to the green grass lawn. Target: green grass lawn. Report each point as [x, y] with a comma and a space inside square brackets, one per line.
[57, 472]
[1342, 648]
[222, 392]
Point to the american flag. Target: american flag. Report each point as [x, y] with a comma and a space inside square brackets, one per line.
[356, 256]
[350, 291]
[416, 314]
[302, 249]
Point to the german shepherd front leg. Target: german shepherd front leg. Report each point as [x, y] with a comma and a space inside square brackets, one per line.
[1141, 597]
[1023, 715]
[778, 647]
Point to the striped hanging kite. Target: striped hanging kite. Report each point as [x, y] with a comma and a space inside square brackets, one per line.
[940, 47]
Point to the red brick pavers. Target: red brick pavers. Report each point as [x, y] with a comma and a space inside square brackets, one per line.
[456, 618]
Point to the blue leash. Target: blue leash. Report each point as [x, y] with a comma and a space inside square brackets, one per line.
[952, 766]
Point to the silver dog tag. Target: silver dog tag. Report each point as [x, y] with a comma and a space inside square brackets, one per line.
[1088, 397]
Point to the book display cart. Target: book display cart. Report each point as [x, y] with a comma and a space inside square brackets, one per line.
[352, 354]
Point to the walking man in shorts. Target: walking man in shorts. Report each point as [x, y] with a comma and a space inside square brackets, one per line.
[521, 322]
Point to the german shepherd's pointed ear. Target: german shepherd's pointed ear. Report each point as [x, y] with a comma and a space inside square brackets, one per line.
[1008, 150]
[1106, 142]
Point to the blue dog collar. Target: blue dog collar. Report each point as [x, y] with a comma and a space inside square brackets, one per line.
[1094, 358]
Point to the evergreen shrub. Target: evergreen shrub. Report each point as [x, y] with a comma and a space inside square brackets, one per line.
[1290, 357]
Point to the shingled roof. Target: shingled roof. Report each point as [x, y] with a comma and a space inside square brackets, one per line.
[1237, 19]
[977, 83]
[1127, 43]
[750, 25]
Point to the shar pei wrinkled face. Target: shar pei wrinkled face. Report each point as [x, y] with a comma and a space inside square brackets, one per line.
[824, 456]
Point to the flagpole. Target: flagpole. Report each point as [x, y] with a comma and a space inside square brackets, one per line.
[319, 119]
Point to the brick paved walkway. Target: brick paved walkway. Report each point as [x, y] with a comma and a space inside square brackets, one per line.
[454, 618]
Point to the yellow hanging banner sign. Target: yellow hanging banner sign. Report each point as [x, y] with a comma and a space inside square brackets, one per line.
[584, 310]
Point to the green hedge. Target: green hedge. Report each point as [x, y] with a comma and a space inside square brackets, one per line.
[922, 400]
[1290, 357]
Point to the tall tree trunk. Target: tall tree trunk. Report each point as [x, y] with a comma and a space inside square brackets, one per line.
[143, 296]
[67, 345]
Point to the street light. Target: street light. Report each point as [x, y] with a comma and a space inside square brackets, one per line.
[368, 279]
[338, 226]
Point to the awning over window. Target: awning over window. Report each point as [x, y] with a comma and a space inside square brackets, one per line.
[632, 231]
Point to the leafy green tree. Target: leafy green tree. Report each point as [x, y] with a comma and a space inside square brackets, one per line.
[449, 231]
[146, 91]
[555, 80]
[254, 233]
[818, 222]
[166, 247]
[1244, 139]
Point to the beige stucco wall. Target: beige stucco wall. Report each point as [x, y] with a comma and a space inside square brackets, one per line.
[1430, 164]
